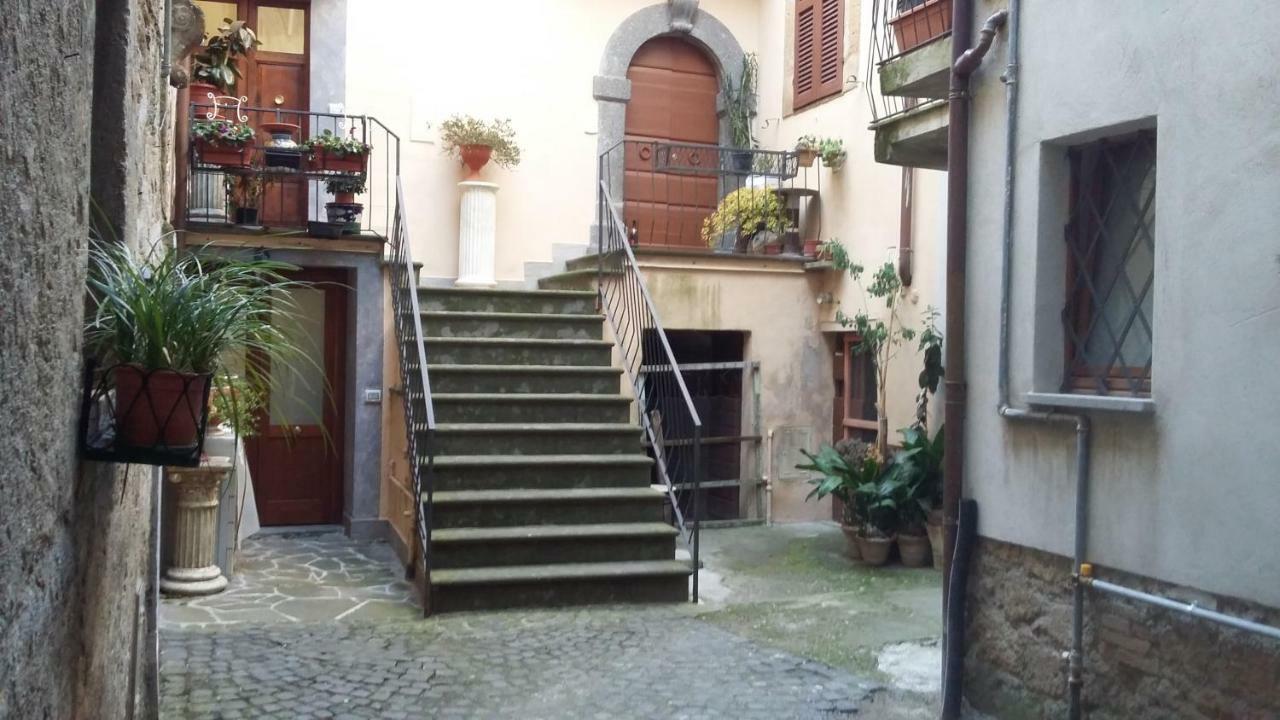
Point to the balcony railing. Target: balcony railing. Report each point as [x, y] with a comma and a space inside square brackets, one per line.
[897, 28]
[665, 192]
[276, 185]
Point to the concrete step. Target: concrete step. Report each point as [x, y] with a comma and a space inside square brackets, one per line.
[517, 379]
[584, 262]
[518, 351]
[476, 324]
[518, 301]
[496, 508]
[546, 544]
[583, 280]
[531, 408]
[536, 438]
[489, 588]
[529, 472]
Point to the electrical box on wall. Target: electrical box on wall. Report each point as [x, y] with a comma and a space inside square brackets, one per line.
[372, 396]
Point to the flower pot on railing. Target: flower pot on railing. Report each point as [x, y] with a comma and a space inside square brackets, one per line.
[224, 155]
[281, 150]
[740, 161]
[198, 93]
[346, 213]
[150, 416]
[920, 22]
[806, 157]
[330, 161]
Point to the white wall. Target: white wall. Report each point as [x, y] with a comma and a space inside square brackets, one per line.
[1190, 494]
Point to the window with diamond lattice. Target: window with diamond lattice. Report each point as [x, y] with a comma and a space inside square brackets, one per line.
[1111, 266]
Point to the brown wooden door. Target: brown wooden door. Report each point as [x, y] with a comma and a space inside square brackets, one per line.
[278, 80]
[673, 100]
[296, 458]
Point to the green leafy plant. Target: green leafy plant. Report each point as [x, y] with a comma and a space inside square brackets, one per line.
[832, 152]
[740, 97]
[916, 469]
[222, 132]
[841, 470]
[354, 184]
[217, 62]
[461, 130]
[337, 145]
[245, 189]
[744, 211]
[931, 374]
[808, 142]
[878, 501]
[236, 402]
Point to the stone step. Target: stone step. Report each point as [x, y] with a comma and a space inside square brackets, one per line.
[517, 379]
[475, 324]
[513, 301]
[585, 262]
[495, 508]
[531, 408]
[489, 588]
[581, 280]
[529, 472]
[536, 438]
[471, 547]
[518, 351]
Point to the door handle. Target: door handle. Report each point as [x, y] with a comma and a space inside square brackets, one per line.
[279, 100]
[297, 429]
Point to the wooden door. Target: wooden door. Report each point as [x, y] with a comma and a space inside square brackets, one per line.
[296, 458]
[278, 80]
[673, 100]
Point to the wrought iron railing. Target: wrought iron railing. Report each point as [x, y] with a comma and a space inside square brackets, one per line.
[672, 428]
[289, 190]
[898, 27]
[668, 190]
[419, 412]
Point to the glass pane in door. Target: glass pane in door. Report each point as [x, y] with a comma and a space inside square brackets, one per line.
[216, 14]
[297, 390]
[282, 30]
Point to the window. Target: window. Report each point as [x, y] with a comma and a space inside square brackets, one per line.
[1110, 238]
[819, 47]
[859, 392]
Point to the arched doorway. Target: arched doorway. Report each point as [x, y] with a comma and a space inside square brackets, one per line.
[673, 103]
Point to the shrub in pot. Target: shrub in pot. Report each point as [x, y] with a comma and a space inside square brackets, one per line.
[334, 153]
[476, 142]
[216, 68]
[166, 326]
[877, 500]
[245, 191]
[918, 466]
[833, 153]
[750, 213]
[739, 106]
[807, 149]
[841, 469]
[222, 142]
[344, 208]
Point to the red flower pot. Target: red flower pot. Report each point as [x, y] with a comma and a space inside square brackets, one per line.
[811, 248]
[475, 157]
[225, 155]
[773, 249]
[198, 94]
[158, 408]
[921, 24]
[344, 198]
[326, 161]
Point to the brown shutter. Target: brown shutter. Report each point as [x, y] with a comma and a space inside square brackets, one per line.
[819, 41]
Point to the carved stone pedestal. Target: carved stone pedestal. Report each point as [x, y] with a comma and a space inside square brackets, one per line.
[477, 234]
[193, 567]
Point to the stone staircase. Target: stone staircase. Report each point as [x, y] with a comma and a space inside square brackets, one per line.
[542, 493]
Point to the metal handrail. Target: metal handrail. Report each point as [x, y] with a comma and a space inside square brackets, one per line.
[631, 313]
[420, 420]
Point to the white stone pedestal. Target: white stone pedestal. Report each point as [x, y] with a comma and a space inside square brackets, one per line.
[477, 234]
[193, 567]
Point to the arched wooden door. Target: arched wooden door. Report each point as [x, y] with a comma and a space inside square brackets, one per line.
[673, 100]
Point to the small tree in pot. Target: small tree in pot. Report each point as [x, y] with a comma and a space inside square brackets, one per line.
[216, 67]
[739, 108]
[476, 142]
[344, 208]
[749, 213]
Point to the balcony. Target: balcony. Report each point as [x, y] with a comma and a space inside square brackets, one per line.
[285, 178]
[907, 81]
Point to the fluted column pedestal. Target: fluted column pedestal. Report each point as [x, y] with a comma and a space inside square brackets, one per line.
[477, 234]
[193, 567]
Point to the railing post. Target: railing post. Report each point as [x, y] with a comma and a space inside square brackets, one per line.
[693, 510]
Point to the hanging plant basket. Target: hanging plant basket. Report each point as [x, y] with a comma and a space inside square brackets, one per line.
[153, 417]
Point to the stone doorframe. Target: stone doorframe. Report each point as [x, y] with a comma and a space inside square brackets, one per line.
[612, 89]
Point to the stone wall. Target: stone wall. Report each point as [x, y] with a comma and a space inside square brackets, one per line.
[1140, 661]
[76, 600]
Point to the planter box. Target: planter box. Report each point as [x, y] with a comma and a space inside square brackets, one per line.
[208, 153]
[152, 417]
[324, 161]
[921, 24]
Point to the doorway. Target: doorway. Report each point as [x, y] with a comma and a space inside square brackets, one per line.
[296, 456]
[673, 100]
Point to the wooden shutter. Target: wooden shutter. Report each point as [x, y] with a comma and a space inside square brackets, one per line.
[819, 43]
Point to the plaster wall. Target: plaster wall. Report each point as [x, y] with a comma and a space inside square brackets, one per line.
[1172, 491]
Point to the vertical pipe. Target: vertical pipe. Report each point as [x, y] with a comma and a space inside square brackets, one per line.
[697, 487]
[905, 227]
[1075, 661]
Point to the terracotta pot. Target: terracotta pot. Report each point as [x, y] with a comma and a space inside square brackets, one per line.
[475, 157]
[326, 161]
[811, 248]
[806, 158]
[344, 198]
[875, 551]
[282, 134]
[158, 409]
[935, 541]
[921, 24]
[224, 155]
[914, 549]
[198, 94]
[773, 248]
[851, 541]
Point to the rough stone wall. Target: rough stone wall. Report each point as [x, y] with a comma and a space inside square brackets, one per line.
[1140, 661]
[75, 538]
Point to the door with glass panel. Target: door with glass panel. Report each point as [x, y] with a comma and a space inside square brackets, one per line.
[296, 458]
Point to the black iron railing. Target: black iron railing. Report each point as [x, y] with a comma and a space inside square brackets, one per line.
[419, 412]
[667, 191]
[898, 27]
[288, 189]
[672, 428]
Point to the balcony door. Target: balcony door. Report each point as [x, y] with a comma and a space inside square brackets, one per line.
[673, 100]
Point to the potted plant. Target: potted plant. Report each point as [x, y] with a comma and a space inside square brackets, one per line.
[215, 68]
[222, 142]
[918, 468]
[245, 190]
[344, 208]
[282, 150]
[807, 149]
[739, 108]
[476, 142]
[877, 501]
[841, 469]
[749, 212]
[919, 21]
[165, 328]
[334, 153]
[833, 153]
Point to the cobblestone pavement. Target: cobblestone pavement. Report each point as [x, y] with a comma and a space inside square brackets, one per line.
[603, 662]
